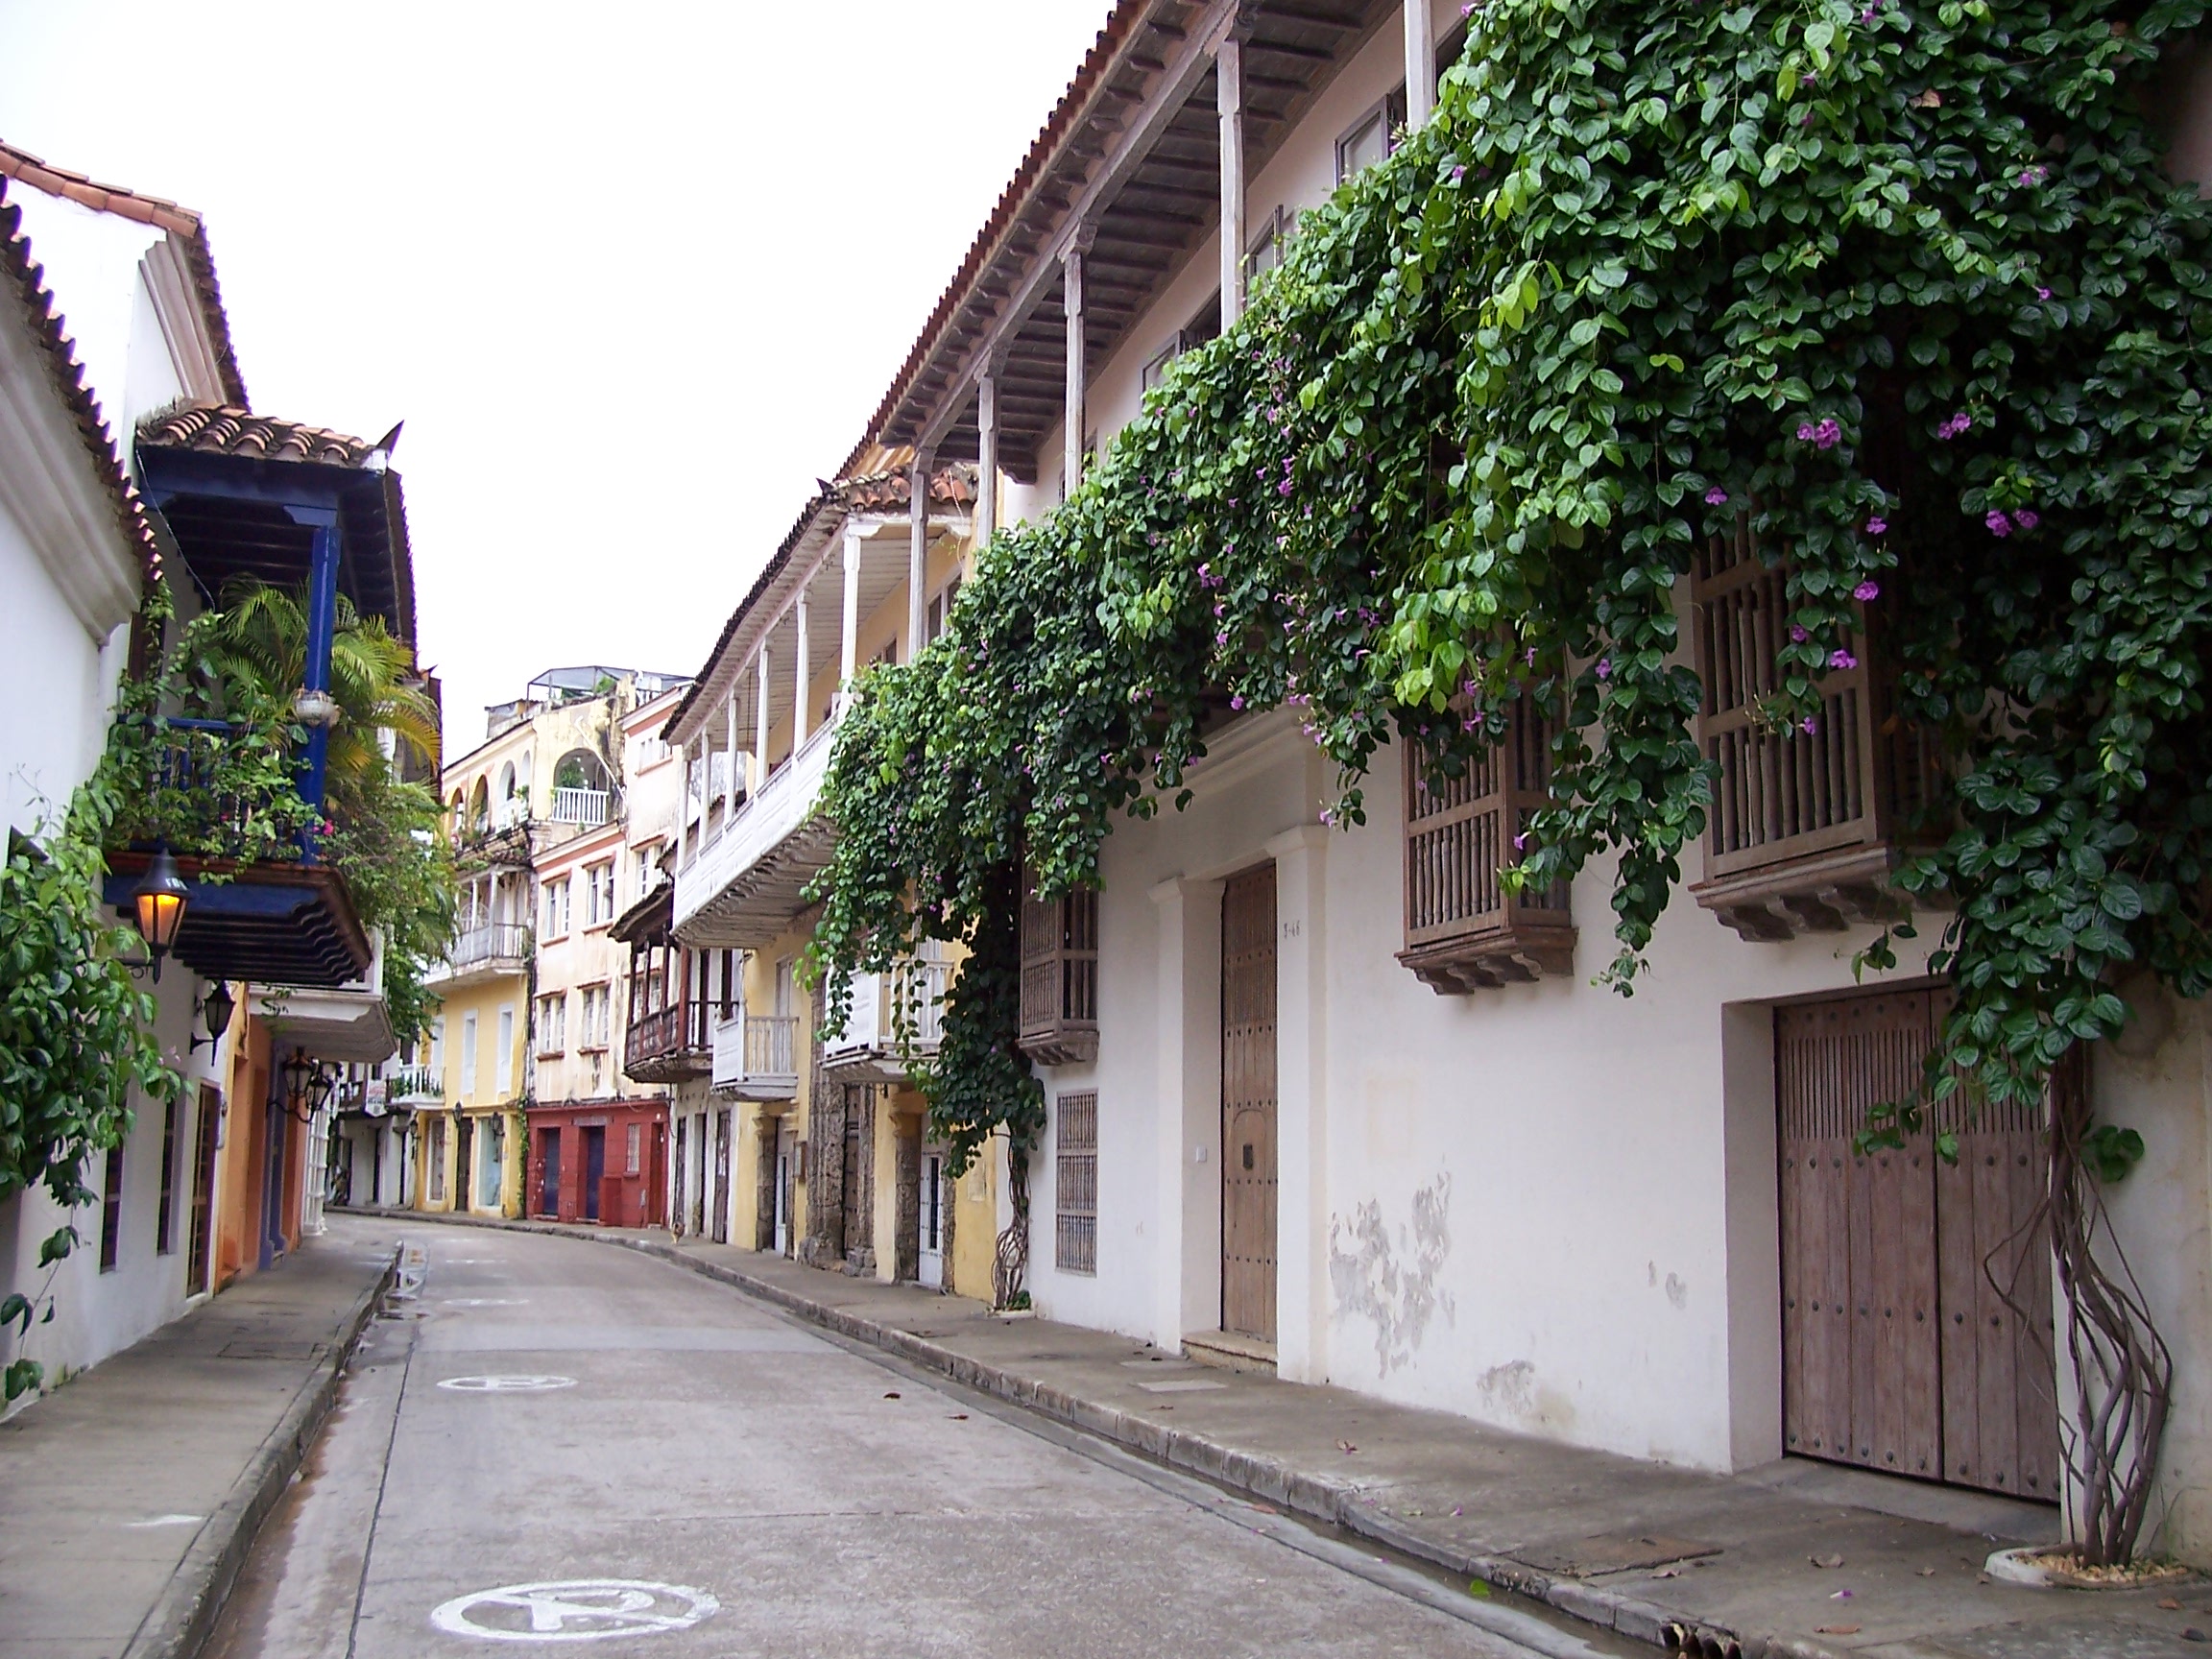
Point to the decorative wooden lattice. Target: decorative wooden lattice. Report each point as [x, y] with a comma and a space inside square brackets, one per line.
[1075, 1199]
[1463, 929]
[1060, 978]
[1802, 830]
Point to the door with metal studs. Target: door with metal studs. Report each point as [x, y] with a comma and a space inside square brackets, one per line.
[1248, 1187]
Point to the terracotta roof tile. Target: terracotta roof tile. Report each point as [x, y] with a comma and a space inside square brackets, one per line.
[180, 222]
[24, 284]
[227, 431]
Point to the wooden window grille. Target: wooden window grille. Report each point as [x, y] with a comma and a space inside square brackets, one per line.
[1802, 831]
[1463, 929]
[1075, 1205]
[1060, 978]
[111, 1211]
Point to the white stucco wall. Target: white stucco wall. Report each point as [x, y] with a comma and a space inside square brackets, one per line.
[54, 726]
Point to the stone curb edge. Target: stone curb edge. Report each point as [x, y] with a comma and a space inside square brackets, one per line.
[182, 1620]
[1315, 1497]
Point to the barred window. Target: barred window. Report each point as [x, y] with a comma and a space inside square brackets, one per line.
[1075, 1207]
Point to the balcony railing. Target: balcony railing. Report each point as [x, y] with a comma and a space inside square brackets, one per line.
[756, 1056]
[668, 1043]
[490, 941]
[746, 880]
[872, 1037]
[589, 808]
[407, 1083]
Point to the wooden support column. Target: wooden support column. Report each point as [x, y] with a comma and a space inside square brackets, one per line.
[1420, 64]
[799, 657]
[986, 455]
[1229, 101]
[848, 635]
[1078, 378]
[694, 755]
[760, 720]
[730, 750]
[917, 550]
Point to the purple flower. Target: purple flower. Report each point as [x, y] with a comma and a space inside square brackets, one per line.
[1715, 497]
[1866, 590]
[1284, 488]
[2042, 292]
[1457, 174]
[2027, 519]
[1532, 656]
[1998, 525]
[1237, 701]
[1808, 726]
[1825, 435]
[1842, 659]
[1604, 667]
[1327, 816]
[1877, 526]
[1797, 634]
[1221, 638]
[1521, 842]
[2033, 175]
[1953, 427]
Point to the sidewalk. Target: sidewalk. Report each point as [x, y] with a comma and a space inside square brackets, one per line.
[129, 1497]
[1702, 1563]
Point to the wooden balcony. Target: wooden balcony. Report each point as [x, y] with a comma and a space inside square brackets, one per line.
[873, 1046]
[1464, 931]
[1805, 827]
[1059, 979]
[669, 1044]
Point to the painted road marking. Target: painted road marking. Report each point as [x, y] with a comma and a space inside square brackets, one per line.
[574, 1610]
[487, 1301]
[517, 1384]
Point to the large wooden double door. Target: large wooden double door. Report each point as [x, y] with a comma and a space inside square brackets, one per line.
[1915, 1294]
[1248, 1185]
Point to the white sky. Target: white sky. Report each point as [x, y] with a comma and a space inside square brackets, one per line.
[635, 275]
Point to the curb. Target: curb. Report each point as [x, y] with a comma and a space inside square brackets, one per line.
[1315, 1497]
[185, 1616]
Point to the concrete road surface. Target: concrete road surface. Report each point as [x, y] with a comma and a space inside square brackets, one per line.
[556, 1442]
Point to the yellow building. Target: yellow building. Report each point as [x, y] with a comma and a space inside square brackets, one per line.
[548, 774]
[817, 1147]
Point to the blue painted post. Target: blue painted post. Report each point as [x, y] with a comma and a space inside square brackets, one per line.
[321, 625]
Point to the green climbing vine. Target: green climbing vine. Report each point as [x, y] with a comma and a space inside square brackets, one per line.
[1905, 288]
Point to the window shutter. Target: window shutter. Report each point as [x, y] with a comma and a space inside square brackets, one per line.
[1075, 1193]
[1060, 978]
[1463, 929]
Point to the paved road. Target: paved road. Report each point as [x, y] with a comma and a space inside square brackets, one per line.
[737, 1484]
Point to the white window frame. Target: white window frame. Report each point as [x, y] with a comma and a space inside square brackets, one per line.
[1390, 109]
[468, 1056]
[503, 1062]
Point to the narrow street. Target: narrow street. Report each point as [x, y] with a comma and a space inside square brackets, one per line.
[543, 1414]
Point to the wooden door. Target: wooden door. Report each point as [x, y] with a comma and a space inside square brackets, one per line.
[677, 1211]
[202, 1247]
[852, 1192]
[594, 1170]
[721, 1227]
[1248, 1105]
[1890, 1359]
[550, 1191]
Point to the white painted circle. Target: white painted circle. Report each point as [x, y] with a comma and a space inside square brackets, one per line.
[515, 1384]
[574, 1610]
[487, 1301]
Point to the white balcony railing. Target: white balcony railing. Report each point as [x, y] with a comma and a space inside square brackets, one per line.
[726, 859]
[589, 808]
[408, 1085]
[872, 1029]
[507, 813]
[756, 1056]
[490, 941]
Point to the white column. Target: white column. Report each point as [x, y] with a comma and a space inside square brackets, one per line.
[730, 750]
[1301, 1116]
[694, 755]
[1420, 64]
[848, 635]
[1229, 99]
[1186, 1008]
[760, 719]
[1071, 304]
[987, 454]
[918, 551]
[799, 659]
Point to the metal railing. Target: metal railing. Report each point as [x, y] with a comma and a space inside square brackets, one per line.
[591, 807]
[415, 1082]
[490, 941]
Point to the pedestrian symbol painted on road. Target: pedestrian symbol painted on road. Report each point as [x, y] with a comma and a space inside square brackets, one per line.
[574, 1610]
[519, 1385]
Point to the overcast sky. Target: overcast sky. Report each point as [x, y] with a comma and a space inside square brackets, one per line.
[633, 276]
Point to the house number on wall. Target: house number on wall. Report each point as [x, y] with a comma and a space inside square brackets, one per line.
[1291, 930]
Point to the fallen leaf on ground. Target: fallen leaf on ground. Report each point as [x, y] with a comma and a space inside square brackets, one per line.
[2169, 1604]
[892, 1395]
[1840, 1595]
[1478, 1590]
[1927, 1572]
[1346, 1445]
[959, 1416]
[1456, 1509]
[1825, 1560]
[1836, 1630]
[1668, 1572]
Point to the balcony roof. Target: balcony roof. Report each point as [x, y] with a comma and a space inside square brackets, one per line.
[267, 923]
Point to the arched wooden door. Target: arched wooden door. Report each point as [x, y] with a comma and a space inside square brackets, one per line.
[1248, 1104]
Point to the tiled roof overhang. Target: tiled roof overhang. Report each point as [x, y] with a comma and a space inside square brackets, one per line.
[29, 297]
[180, 222]
[1133, 150]
[222, 537]
[885, 491]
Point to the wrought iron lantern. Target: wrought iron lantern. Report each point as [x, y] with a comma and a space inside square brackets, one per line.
[218, 1005]
[160, 899]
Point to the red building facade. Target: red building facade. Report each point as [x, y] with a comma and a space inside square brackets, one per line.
[598, 1161]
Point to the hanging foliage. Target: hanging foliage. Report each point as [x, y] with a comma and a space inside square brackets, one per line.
[1903, 287]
